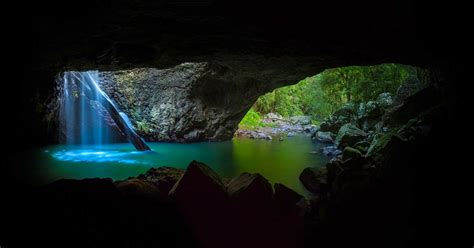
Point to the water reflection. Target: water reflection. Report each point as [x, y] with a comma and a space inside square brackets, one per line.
[278, 161]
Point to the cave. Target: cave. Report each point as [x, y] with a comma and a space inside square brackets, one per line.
[207, 123]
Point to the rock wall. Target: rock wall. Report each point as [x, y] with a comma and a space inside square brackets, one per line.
[195, 101]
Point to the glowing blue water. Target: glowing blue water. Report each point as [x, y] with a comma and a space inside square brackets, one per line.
[90, 155]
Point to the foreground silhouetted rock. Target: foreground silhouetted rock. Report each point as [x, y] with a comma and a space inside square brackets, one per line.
[199, 180]
[251, 193]
[163, 177]
[286, 199]
[96, 212]
[203, 200]
[138, 188]
[314, 179]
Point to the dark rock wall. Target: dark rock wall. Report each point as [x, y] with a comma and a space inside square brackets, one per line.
[198, 101]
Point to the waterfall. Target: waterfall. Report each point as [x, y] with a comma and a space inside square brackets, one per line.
[87, 113]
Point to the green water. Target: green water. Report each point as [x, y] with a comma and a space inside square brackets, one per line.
[278, 161]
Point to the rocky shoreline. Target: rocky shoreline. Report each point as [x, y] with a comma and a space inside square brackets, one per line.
[279, 127]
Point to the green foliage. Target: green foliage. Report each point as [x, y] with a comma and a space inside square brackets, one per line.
[251, 120]
[319, 96]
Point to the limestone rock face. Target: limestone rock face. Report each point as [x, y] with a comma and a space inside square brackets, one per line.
[192, 101]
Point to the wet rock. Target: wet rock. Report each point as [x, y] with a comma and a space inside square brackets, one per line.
[301, 120]
[286, 198]
[314, 179]
[251, 193]
[331, 126]
[274, 116]
[351, 153]
[253, 134]
[330, 151]
[383, 144]
[385, 99]
[362, 146]
[323, 137]
[348, 135]
[344, 115]
[311, 129]
[162, 178]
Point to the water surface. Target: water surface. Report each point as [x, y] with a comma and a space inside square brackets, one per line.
[278, 161]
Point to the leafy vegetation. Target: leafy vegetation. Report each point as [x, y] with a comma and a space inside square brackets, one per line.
[253, 120]
[319, 96]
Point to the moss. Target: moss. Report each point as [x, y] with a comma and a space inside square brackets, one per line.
[143, 127]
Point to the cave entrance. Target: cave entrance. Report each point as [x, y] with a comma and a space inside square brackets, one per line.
[302, 107]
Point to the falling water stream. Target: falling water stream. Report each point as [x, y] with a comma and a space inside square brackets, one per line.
[87, 114]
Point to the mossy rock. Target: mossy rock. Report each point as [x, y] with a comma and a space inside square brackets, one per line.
[351, 153]
[348, 135]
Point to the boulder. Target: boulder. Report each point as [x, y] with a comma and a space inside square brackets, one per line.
[351, 153]
[385, 99]
[347, 111]
[331, 125]
[273, 116]
[369, 114]
[362, 146]
[383, 144]
[323, 137]
[311, 128]
[344, 115]
[412, 106]
[251, 192]
[253, 134]
[162, 178]
[315, 179]
[331, 151]
[411, 86]
[199, 184]
[334, 167]
[301, 120]
[348, 135]
[286, 199]
[138, 188]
